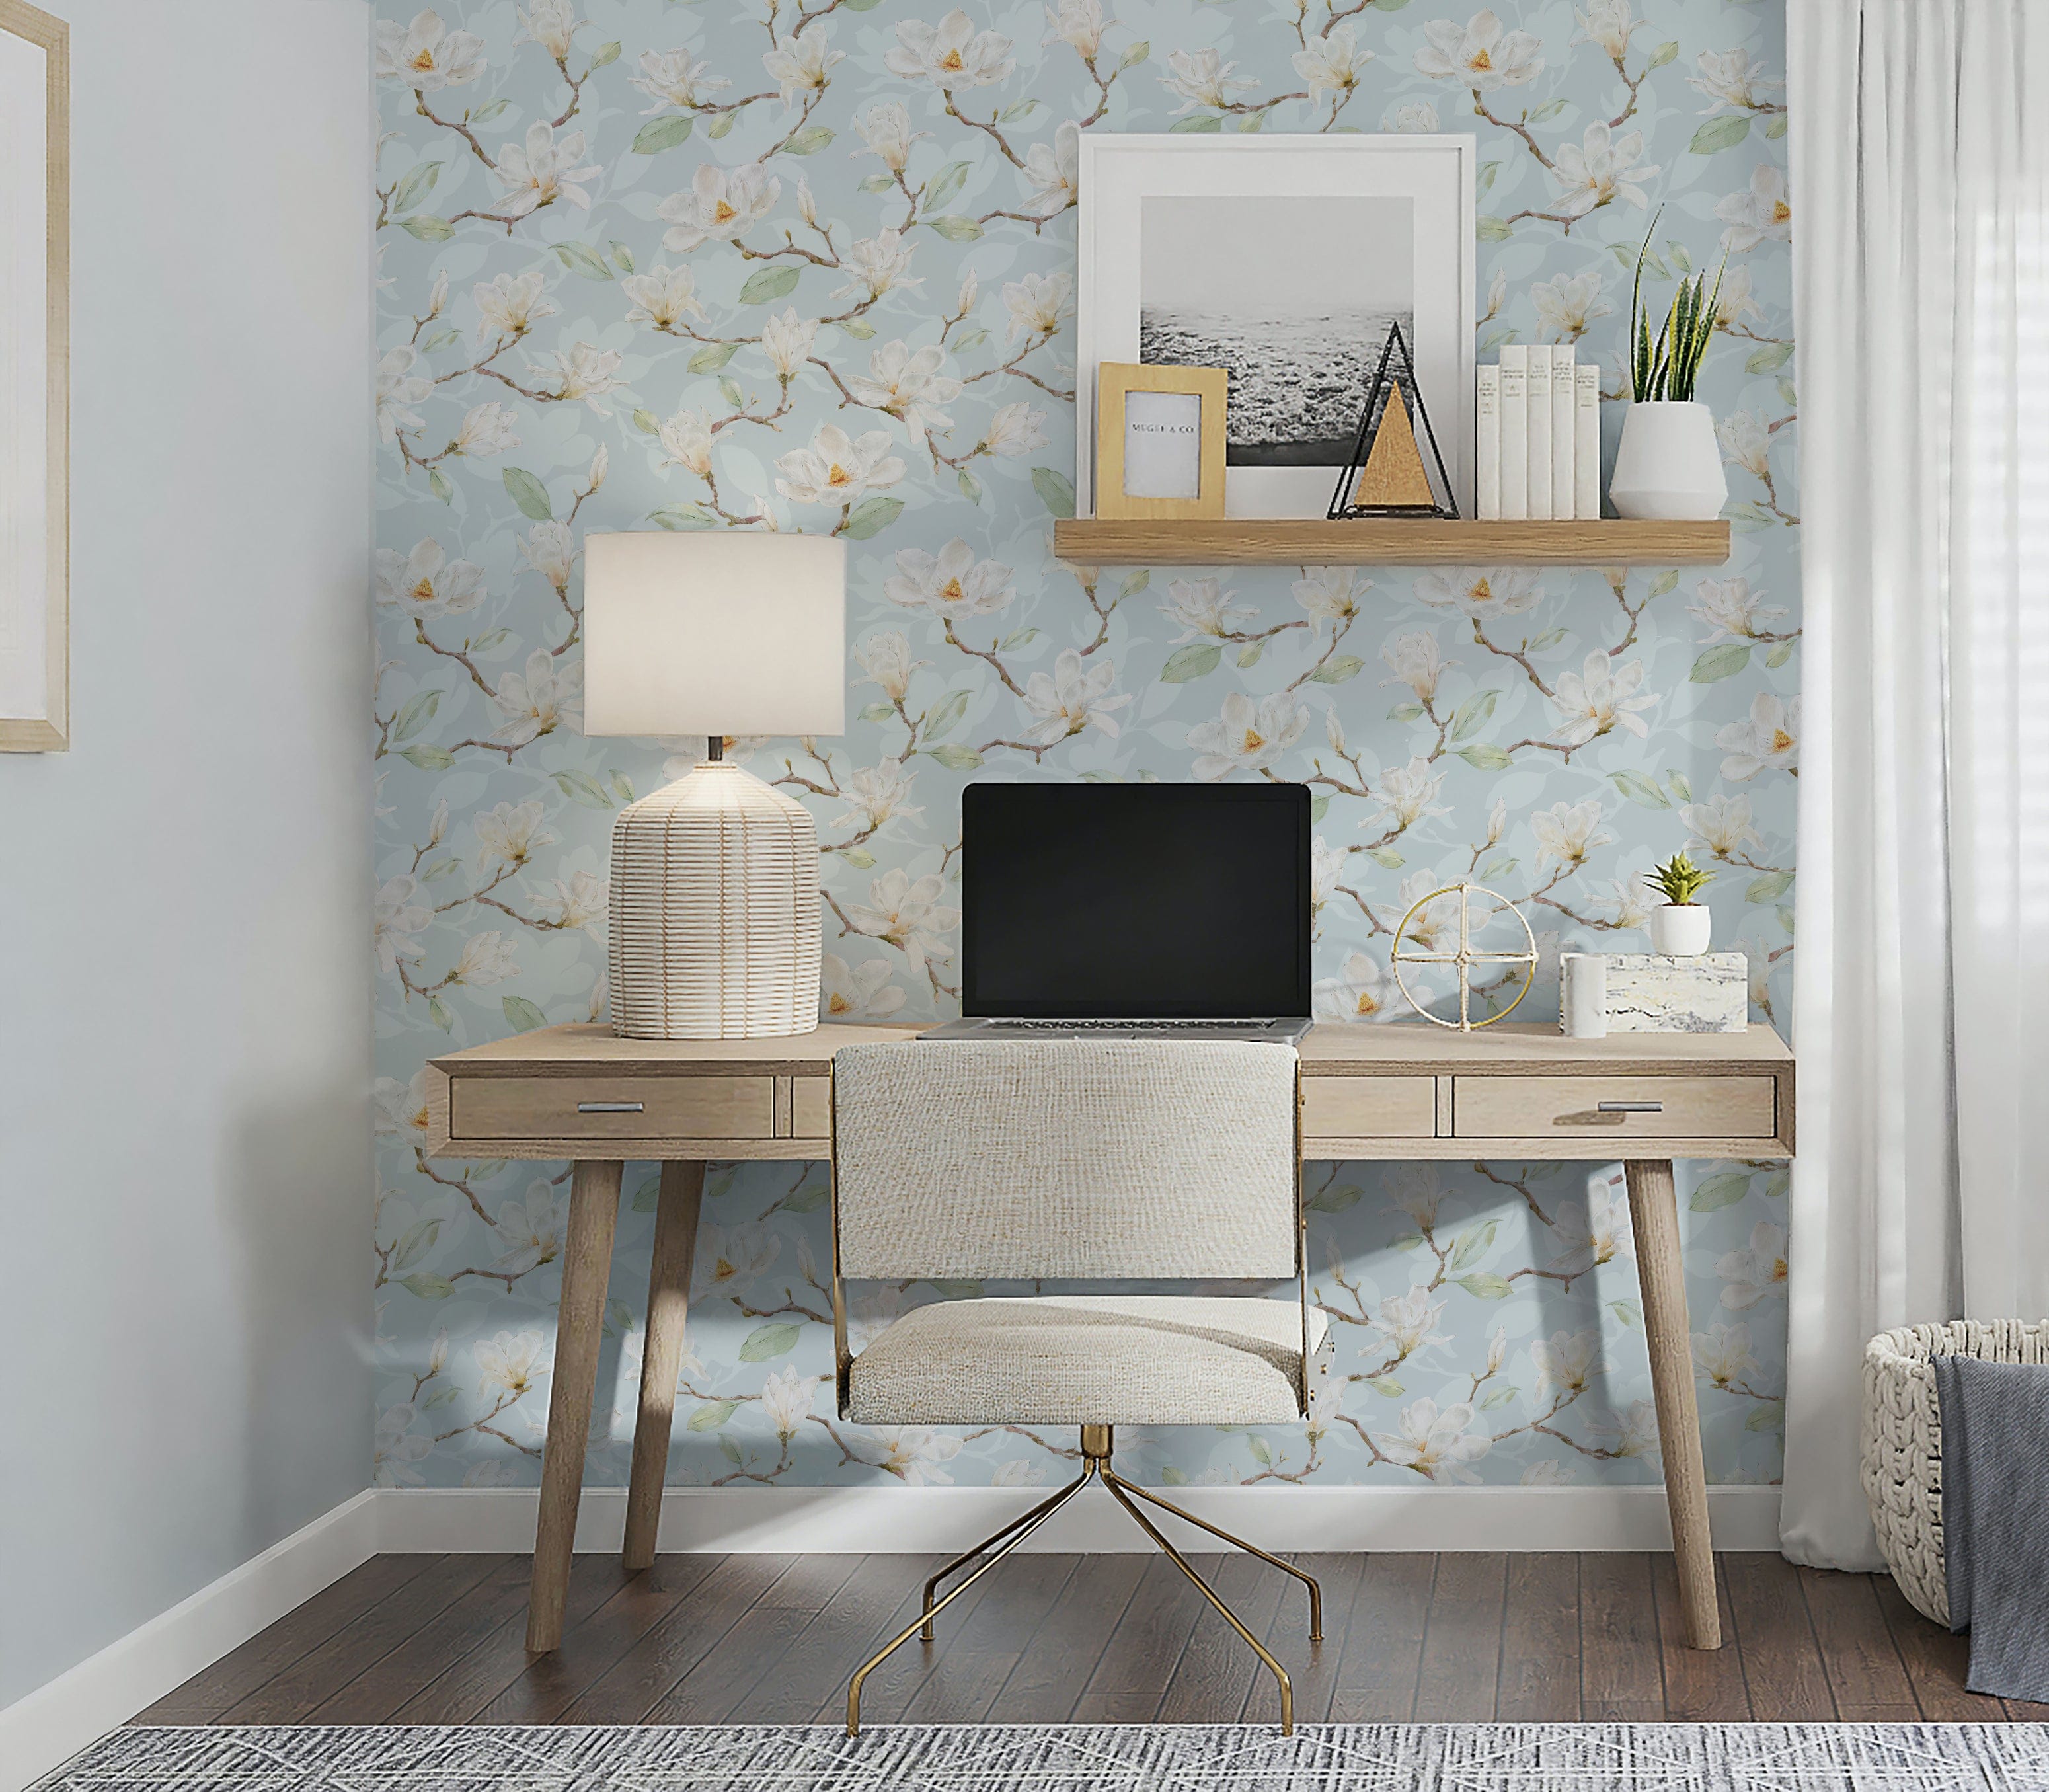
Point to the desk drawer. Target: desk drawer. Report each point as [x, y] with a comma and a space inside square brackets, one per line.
[811, 1107]
[1355, 1107]
[1658, 1107]
[643, 1107]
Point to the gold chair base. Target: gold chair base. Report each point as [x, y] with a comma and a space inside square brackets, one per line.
[1097, 1442]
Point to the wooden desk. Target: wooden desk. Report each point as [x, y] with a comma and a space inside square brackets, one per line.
[1390, 1093]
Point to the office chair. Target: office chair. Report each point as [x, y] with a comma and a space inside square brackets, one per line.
[1076, 1161]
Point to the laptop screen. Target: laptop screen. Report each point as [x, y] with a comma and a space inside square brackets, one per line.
[1152, 902]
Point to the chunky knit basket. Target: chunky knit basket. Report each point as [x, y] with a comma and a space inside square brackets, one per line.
[1903, 1441]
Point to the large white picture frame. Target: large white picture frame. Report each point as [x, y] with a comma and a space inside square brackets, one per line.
[1318, 219]
[35, 309]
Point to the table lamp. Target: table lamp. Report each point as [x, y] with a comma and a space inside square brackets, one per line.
[714, 904]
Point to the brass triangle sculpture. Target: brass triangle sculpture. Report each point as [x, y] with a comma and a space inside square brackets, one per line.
[1385, 476]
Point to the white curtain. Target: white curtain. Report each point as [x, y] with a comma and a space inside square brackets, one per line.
[1921, 997]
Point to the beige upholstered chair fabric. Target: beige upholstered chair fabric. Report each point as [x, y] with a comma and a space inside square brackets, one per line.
[1108, 1359]
[1065, 1158]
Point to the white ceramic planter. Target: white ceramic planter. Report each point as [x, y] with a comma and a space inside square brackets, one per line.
[1680, 930]
[1668, 464]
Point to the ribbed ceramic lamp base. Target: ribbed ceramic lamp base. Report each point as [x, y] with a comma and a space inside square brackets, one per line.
[714, 911]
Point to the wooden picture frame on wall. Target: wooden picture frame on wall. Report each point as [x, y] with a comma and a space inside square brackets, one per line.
[1160, 442]
[35, 379]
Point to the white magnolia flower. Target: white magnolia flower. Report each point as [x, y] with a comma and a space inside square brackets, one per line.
[1411, 115]
[1768, 738]
[1497, 294]
[1434, 927]
[1631, 902]
[1722, 824]
[1407, 793]
[1483, 57]
[586, 371]
[1567, 832]
[1746, 439]
[1415, 660]
[722, 205]
[401, 1107]
[1548, 1473]
[885, 131]
[1730, 80]
[1071, 699]
[1019, 1472]
[487, 430]
[950, 583]
[874, 793]
[511, 304]
[398, 390]
[1436, 1445]
[395, 916]
[675, 78]
[1247, 737]
[1564, 1364]
[787, 341]
[426, 583]
[1734, 302]
[876, 264]
[914, 1455]
[540, 171]
[1363, 989]
[1724, 1352]
[1331, 594]
[1588, 1235]
[950, 54]
[1409, 1321]
[802, 64]
[394, 1446]
[908, 915]
[426, 55]
[730, 1257]
[1327, 869]
[539, 701]
[838, 468]
[1731, 610]
[662, 296]
[1568, 303]
[884, 660]
[1016, 429]
[786, 1401]
[1037, 303]
[1598, 169]
[1416, 1190]
[1202, 609]
[1609, 23]
[510, 1362]
[1201, 78]
[550, 23]
[550, 550]
[909, 384]
[686, 439]
[1760, 210]
[1497, 1349]
[1078, 24]
[1053, 172]
[509, 835]
[1599, 698]
[1326, 1403]
[577, 901]
[861, 992]
[532, 1230]
[1632, 1432]
[1332, 64]
[1482, 592]
[1748, 1276]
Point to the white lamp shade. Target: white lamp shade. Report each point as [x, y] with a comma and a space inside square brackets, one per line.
[724, 633]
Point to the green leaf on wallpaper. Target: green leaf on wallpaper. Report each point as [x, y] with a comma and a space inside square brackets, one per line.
[956, 1290]
[1494, 339]
[1778, 653]
[428, 757]
[971, 486]
[1786, 393]
[948, 181]
[945, 715]
[1484, 1286]
[1785, 918]
[438, 483]
[521, 1015]
[871, 516]
[969, 339]
[1680, 785]
[808, 141]
[658, 134]
[645, 422]
[1483, 755]
[489, 109]
[1664, 582]
[722, 124]
[622, 255]
[859, 329]
[954, 228]
[1544, 113]
[1387, 1385]
[730, 1450]
[441, 868]
[1405, 712]
[427, 1285]
[621, 786]
[957, 758]
[1019, 638]
[491, 640]
[877, 712]
[1716, 1193]
[1622, 254]
[1640, 789]
[1499, 1398]
[682, 516]
[1196, 121]
[729, 390]
[765, 1342]
[1470, 1244]
[1769, 888]
[1472, 715]
[528, 493]
[877, 184]
[1389, 6]
[1682, 259]
[581, 788]
[439, 340]
[1170, 1476]
[858, 856]
[1497, 868]
[1132, 583]
[809, 1199]
[1769, 359]
[1386, 857]
[1405, 1241]
[1335, 1199]
[1022, 109]
[1490, 172]
[604, 56]
[1250, 654]
[1055, 490]
[1319, 807]
[1747, 519]
[1262, 1453]
[1723, 662]
[1720, 134]
[414, 185]
[1656, 263]
[1774, 126]
[1495, 229]
[1337, 669]
[1778, 1185]
[1769, 1417]
[1197, 660]
[415, 715]
[427, 227]
[767, 285]
[580, 258]
[1666, 52]
[440, 1397]
[1627, 1314]
[647, 1197]
[418, 1241]
[711, 1415]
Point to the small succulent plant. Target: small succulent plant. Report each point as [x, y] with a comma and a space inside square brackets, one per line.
[1665, 364]
[1679, 878]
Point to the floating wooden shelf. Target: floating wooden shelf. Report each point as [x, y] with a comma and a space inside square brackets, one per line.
[1386, 541]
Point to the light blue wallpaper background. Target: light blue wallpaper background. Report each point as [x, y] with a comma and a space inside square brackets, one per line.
[693, 265]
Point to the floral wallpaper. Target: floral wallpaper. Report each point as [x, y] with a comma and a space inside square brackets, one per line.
[692, 265]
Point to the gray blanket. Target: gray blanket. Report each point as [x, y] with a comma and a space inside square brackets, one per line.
[1996, 1518]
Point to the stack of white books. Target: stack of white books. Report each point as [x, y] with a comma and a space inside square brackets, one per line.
[1538, 435]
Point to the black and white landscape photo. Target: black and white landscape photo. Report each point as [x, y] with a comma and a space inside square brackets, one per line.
[1296, 295]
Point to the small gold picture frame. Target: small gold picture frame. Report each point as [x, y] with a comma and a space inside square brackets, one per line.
[1159, 440]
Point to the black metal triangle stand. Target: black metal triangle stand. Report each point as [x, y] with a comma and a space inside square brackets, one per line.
[1376, 406]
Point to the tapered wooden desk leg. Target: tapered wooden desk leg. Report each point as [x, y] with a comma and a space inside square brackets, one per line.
[668, 1306]
[579, 1332]
[1654, 1214]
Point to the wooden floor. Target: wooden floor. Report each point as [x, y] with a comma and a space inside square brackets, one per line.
[1117, 1639]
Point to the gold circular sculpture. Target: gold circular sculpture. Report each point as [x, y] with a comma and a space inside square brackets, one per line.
[1466, 957]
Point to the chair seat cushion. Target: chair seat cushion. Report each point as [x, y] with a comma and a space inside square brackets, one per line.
[1087, 1359]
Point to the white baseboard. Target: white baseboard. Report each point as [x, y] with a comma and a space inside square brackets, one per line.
[53, 1723]
[885, 1520]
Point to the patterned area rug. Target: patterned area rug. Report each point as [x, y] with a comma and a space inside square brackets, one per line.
[1076, 1758]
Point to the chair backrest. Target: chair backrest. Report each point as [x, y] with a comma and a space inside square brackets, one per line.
[1066, 1158]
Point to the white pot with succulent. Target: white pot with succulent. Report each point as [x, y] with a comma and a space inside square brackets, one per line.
[1668, 464]
[1681, 928]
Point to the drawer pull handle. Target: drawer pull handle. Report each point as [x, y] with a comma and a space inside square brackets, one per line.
[1629, 1107]
[610, 1107]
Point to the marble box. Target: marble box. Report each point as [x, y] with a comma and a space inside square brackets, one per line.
[1651, 993]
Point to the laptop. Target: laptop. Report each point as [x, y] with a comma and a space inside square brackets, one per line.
[1143, 910]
